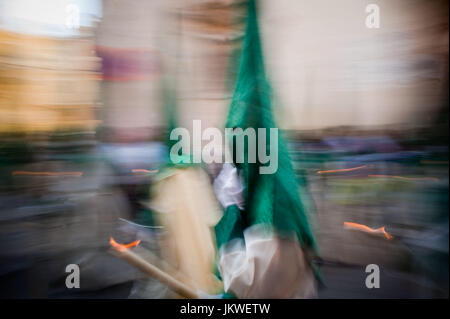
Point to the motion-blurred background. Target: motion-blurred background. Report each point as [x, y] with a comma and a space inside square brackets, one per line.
[365, 111]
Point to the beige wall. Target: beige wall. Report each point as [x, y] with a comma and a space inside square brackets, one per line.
[328, 69]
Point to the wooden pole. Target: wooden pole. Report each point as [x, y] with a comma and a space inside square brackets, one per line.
[150, 269]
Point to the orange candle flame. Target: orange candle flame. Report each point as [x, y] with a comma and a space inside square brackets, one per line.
[142, 170]
[122, 247]
[367, 229]
[47, 173]
[342, 170]
[433, 179]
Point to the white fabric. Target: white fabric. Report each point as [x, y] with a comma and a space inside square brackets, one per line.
[237, 261]
[229, 187]
[265, 267]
